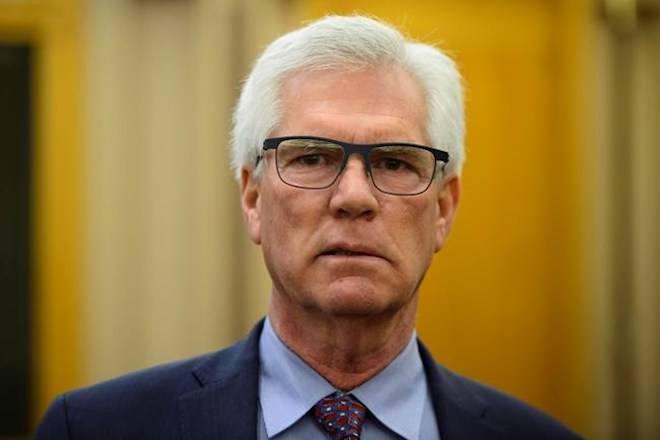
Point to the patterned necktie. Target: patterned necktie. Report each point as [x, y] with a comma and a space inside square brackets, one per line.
[341, 416]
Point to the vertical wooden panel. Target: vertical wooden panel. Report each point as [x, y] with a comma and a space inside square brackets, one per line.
[643, 141]
[504, 301]
[168, 271]
[54, 28]
[59, 195]
[15, 238]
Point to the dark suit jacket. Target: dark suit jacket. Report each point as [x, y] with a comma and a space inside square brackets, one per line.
[215, 396]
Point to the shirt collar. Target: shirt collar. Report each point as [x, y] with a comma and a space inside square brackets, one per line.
[289, 388]
[396, 395]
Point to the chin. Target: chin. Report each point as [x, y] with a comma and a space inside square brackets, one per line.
[357, 301]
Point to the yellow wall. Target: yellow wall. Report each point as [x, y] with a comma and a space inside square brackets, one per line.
[504, 302]
[53, 29]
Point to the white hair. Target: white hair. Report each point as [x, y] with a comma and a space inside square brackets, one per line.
[348, 43]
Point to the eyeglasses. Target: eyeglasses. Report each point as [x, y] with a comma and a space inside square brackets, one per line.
[396, 168]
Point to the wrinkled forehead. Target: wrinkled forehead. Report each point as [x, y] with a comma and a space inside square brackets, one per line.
[378, 103]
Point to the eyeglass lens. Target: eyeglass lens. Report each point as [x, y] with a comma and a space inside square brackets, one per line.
[315, 164]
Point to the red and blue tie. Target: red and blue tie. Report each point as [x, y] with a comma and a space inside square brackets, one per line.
[341, 415]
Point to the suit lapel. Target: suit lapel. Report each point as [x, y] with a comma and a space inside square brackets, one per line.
[461, 414]
[225, 407]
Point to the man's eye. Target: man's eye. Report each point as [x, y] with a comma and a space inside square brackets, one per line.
[392, 164]
[310, 159]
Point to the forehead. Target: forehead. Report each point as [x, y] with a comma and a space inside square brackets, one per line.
[367, 105]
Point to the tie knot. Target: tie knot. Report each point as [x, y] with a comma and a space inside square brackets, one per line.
[340, 415]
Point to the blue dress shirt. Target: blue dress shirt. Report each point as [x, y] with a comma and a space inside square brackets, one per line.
[397, 398]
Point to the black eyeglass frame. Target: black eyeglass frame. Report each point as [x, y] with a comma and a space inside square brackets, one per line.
[363, 150]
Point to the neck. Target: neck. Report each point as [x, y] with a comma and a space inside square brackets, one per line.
[345, 350]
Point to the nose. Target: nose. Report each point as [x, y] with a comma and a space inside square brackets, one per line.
[354, 195]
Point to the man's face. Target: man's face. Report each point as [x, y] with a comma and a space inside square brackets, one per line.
[349, 250]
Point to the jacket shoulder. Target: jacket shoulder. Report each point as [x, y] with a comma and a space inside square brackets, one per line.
[142, 404]
[512, 416]
[121, 404]
[149, 385]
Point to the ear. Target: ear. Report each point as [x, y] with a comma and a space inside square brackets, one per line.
[447, 204]
[250, 203]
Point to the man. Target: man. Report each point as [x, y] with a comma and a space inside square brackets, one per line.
[348, 148]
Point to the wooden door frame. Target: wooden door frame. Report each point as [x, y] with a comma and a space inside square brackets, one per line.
[54, 29]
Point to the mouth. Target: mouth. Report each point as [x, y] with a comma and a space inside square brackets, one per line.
[345, 253]
[341, 250]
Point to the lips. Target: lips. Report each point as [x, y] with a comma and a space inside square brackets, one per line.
[343, 252]
[350, 250]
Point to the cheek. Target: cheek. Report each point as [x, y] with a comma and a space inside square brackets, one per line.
[417, 223]
[415, 234]
[277, 238]
[275, 227]
[286, 220]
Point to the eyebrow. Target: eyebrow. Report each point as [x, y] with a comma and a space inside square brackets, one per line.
[373, 136]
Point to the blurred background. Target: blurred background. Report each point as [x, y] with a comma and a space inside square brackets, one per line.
[122, 243]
